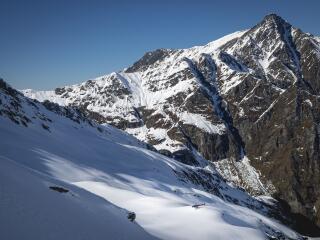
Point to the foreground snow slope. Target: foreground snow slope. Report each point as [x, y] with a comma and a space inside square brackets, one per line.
[99, 164]
[29, 210]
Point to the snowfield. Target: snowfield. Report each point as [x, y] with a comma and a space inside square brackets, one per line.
[104, 173]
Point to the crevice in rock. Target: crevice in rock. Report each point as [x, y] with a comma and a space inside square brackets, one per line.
[210, 91]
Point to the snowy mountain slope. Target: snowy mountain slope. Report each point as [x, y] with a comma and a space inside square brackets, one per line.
[171, 200]
[29, 210]
[249, 102]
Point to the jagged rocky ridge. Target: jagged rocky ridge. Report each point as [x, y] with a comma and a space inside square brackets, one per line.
[248, 102]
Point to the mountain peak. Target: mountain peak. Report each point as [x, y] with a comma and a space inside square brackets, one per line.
[273, 18]
[270, 27]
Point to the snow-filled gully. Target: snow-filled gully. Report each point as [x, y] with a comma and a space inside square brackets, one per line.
[210, 91]
[295, 55]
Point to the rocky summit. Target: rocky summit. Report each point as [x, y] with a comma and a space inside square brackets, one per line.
[248, 102]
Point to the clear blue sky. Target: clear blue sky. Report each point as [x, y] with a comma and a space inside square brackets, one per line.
[50, 43]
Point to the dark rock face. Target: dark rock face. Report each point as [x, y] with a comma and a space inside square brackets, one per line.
[281, 128]
[204, 72]
[212, 146]
[290, 157]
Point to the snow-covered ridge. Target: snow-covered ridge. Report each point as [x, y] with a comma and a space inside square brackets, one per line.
[117, 95]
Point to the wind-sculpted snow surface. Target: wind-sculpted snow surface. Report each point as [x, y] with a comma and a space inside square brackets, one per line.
[79, 180]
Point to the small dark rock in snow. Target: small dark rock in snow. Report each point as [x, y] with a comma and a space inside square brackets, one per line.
[198, 205]
[45, 127]
[131, 216]
[59, 189]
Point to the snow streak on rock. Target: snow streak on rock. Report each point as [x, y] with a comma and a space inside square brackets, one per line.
[208, 86]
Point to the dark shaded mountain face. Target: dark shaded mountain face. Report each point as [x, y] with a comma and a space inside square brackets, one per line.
[248, 102]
